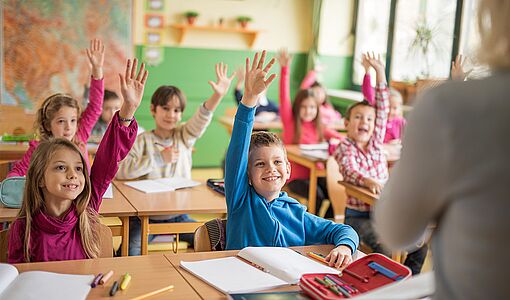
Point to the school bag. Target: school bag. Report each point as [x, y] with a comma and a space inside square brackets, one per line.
[11, 191]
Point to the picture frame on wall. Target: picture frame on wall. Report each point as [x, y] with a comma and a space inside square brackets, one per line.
[153, 55]
[153, 38]
[156, 5]
[154, 21]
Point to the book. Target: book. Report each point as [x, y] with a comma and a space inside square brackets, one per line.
[42, 285]
[162, 184]
[255, 269]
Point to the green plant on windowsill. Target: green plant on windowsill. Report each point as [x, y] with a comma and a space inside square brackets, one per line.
[423, 42]
[244, 20]
[191, 16]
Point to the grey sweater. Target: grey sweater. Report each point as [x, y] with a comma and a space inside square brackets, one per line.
[455, 172]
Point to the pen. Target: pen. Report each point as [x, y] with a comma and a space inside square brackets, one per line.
[125, 281]
[114, 289]
[95, 282]
[106, 277]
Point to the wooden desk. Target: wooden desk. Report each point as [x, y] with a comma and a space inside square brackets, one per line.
[208, 292]
[11, 151]
[228, 123]
[196, 200]
[294, 154]
[148, 273]
[118, 206]
[359, 192]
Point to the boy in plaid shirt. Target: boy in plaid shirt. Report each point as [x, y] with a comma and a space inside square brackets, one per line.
[362, 160]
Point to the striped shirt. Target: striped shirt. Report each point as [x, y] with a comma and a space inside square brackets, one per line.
[356, 164]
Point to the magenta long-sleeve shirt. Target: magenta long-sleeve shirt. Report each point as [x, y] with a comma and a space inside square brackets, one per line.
[59, 238]
[308, 129]
[88, 119]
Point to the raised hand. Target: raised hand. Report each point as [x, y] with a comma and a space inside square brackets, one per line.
[284, 58]
[255, 82]
[458, 68]
[222, 83]
[364, 62]
[95, 55]
[377, 64]
[240, 78]
[131, 87]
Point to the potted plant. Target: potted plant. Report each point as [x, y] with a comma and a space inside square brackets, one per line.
[244, 20]
[191, 16]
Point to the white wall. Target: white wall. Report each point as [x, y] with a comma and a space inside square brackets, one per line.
[336, 19]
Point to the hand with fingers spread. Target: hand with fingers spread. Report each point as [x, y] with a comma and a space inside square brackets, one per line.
[255, 82]
[284, 58]
[131, 87]
[340, 257]
[220, 87]
[95, 55]
[364, 62]
[377, 64]
[240, 78]
[373, 185]
[458, 68]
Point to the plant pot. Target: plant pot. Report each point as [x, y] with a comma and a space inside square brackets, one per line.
[243, 24]
[191, 20]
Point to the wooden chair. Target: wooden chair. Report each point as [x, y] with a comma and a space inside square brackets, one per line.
[105, 240]
[336, 191]
[211, 236]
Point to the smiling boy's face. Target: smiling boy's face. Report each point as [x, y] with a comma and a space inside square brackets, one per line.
[268, 170]
[361, 123]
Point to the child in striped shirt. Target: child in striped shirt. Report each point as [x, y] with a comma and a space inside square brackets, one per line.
[166, 150]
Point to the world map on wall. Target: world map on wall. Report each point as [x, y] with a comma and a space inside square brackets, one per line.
[44, 46]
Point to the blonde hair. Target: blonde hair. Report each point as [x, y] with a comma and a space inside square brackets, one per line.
[494, 24]
[47, 111]
[33, 198]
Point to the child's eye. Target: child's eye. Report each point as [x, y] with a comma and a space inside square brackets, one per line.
[79, 169]
[259, 164]
[277, 162]
[177, 110]
[73, 121]
[61, 168]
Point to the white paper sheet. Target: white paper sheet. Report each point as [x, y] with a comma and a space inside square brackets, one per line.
[109, 193]
[162, 185]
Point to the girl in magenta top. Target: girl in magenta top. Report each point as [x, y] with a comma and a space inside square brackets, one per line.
[59, 216]
[59, 115]
[302, 125]
[396, 122]
[330, 117]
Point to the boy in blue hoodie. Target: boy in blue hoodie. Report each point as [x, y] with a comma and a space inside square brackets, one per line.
[258, 212]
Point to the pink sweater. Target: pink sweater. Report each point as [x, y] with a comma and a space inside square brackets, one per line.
[395, 126]
[88, 119]
[59, 238]
[329, 115]
[308, 129]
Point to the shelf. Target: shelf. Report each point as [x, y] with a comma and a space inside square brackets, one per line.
[183, 29]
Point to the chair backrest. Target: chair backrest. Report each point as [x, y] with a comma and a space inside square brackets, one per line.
[4, 238]
[105, 238]
[336, 191]
[211, 236]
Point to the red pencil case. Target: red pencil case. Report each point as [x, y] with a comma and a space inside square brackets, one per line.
[365, 274]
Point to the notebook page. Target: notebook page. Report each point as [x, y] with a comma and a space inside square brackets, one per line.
[149, 186]
[177, 182]
[284, 263]
[38, 285]
[232, 275]
[7, 275]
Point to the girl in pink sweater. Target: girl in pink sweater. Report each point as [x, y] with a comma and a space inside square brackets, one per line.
[302, 125]
[59, 215]
[59, 115]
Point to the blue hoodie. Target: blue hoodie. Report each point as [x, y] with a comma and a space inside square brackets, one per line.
[283, 222]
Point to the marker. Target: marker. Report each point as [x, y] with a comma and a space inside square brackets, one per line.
[337, 287]
[95, 282]
[342, 284]
[106, 277]
[115, 288]
[317, 256]
[125, 281]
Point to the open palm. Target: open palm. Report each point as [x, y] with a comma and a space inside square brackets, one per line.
[255, 82]
[96, 53]
[222, 83]
[132, 85]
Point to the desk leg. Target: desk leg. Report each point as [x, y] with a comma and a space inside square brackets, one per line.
[145, 234]
[312, 191]
[125, 236]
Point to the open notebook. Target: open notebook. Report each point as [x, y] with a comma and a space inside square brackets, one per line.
[274, 267]
[162, 184]
[42, 285]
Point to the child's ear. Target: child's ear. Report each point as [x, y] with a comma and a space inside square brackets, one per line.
[41, 183]
[346, 122]
[153, 109]
[288, 167]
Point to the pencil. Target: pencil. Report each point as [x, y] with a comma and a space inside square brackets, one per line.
[144, 296]
[317, 257]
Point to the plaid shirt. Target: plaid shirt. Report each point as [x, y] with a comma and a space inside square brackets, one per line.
[356, 164]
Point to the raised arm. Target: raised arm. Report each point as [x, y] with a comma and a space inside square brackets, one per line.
[284, 59]
[236, 176]
[91, 114]
[220, 87]
[366, 87]
[381, 98]
[120, 135]
[457, 71]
